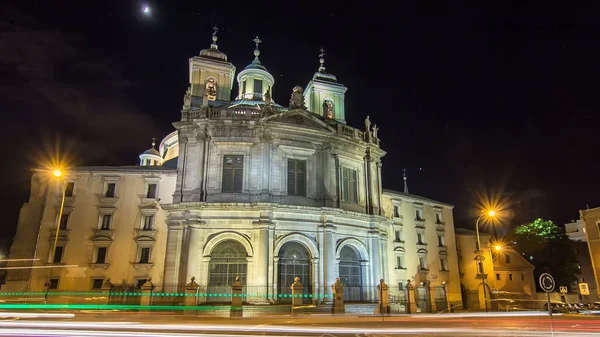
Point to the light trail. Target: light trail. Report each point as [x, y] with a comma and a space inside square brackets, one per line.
[34, 315]
[18, 260]
[40, 267]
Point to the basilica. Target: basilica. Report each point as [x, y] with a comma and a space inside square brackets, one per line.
[243, 187]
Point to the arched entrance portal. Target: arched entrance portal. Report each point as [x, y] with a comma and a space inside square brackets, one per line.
[350, 272]
[227, 260]
[294, 261]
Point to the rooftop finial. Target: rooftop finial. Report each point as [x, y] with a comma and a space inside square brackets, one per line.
[322, 60]
[405, 184]
[214, 37]
[256, 51]
[153, 142]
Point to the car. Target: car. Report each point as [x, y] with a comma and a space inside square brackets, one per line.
[557, 307]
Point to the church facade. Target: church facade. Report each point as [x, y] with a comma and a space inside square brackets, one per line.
[242, 188]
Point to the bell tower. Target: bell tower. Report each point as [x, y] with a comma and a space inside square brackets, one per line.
[324, 96]
[210, 73]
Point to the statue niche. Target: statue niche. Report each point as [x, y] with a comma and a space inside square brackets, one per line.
[211, 89]
[328, 109]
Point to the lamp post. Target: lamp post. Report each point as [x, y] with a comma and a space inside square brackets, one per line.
[58, 174]
[445, 285]
[491, 214]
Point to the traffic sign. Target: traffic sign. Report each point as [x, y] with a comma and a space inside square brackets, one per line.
[547, 282]
[563, 290]
[584, 289]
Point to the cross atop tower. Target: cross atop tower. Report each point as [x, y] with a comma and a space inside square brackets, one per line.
[404, 177]
[215, 30]
[257, 41]
[322, 52]
[153, 142]
[322, 60]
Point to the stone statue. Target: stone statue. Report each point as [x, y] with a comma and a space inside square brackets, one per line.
[367, 124]
[297, 100]
[375, 129]
[268, 97]
[187, 99]
[205, 98]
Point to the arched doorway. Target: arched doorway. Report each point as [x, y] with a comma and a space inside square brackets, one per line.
[294, 261]
[227, 260]
[350, 272]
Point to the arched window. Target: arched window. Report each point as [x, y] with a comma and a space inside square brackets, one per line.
[328, 110]
[211, 89]
[350, 272]
[294, 261]
[227, 260]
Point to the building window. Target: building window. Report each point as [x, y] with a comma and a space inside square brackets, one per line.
[497, 277]
[64, 220]
[101, 255]
[443, 264]
[145, 255]
[258, 86]
[106, 221]
[349, 190]
[400, 262]
[151, 191]
[441, 241]
[233, 173]
[479, 267]
[400, 285]
[110, 190]
[422, 263]
[297, 177]
[522, 277]
[54, 283]
[420, 238]
[398, 236]
[507, 258]
[148, 223]
[243, 87]
[510, 277]
[438, 218]
[69, 189]
[97, 283]
[418, 214]
[58, 254]
[396, 211]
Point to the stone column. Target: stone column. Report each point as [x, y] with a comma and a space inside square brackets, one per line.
[191, 293]
[106, 288]
[274, 296]
[338, 306]
[297, 292]
[383, 302]
[316, 284]
[147, 293]
[375, 256]
[329, 259]
[259, 282]
[236, 292]
[411, 304]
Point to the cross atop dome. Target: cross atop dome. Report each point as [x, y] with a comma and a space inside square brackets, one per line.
[257, 41]
[214, 38]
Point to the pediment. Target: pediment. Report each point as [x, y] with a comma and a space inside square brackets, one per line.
[300, 118]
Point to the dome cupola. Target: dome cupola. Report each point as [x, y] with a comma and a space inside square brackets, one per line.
[255, 81]
[151, 157]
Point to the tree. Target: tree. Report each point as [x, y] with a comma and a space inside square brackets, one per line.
[548, 248]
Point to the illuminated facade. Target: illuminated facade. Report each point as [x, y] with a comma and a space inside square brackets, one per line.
[248, 188]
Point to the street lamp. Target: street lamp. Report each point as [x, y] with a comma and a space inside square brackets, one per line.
[59, 175]
[491, 214]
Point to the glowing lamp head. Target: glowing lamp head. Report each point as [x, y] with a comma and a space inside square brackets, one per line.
[146, 10]
[498, 248]
[491, 213]
[57, 173]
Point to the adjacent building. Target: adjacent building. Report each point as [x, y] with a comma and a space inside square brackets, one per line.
[506, 276]
[576, 230]
[242, 188]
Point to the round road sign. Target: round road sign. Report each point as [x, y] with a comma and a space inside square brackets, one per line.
[547, 282]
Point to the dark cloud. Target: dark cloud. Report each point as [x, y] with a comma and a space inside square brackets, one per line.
[53, 83]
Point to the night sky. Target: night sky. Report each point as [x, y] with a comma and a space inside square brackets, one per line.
[496, 102]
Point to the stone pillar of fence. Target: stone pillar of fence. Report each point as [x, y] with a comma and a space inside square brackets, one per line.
[411, 305]
[147, 292]
[191, 293]
[236, 292]
[105, 289]
[338, 297]
[383, 303]
[297, 292]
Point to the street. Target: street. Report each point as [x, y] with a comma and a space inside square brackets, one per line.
[169, 324]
